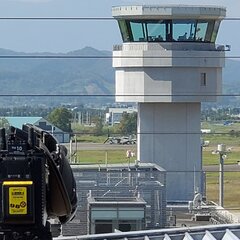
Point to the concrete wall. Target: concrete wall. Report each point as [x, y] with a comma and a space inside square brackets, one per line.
[146, 71]
[181, 84]
[169, 135]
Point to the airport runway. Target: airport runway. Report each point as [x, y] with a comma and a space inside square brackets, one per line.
[227, 168]
[101, 146]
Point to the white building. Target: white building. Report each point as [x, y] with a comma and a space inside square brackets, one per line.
[169, 64]
[114, 115]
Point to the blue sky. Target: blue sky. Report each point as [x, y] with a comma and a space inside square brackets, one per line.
[64, 36]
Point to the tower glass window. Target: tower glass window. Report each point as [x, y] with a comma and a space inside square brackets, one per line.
[138, 31]
[184, 30]
[156, 31]
[215, 30]
[124, 30]
[169, 30]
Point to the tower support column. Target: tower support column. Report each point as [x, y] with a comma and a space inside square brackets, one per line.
[169, 135]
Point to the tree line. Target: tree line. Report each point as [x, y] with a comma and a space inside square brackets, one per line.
[64, 119]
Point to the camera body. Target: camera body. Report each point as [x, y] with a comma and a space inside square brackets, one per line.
[36, 183]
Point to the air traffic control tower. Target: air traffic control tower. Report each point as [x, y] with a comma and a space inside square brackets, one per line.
[169, 64]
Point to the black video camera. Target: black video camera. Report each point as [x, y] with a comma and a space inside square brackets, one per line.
[37, 184]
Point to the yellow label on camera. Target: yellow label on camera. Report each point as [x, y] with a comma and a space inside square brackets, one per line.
[17, 200]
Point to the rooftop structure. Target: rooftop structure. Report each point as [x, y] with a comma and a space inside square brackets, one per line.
[104, 190]
[122, 213]
[169, 12]
[114, 115]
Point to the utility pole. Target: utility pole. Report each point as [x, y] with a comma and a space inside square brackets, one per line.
[222, 153]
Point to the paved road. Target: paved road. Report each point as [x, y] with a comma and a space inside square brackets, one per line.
[100, 146]
[227, 168]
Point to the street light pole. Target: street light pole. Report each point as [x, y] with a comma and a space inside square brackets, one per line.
[221, 179]
[222, 151]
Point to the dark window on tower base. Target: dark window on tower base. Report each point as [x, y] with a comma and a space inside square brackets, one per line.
[203, 79]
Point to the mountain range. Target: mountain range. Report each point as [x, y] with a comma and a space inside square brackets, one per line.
[59, 74]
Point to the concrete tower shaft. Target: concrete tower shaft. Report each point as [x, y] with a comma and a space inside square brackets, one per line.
[169, 64]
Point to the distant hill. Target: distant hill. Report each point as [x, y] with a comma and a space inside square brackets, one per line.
[57, 76]
[231, 76]
[85, 76]
[231, 83]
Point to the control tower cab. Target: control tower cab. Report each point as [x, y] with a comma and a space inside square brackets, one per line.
[169, 64]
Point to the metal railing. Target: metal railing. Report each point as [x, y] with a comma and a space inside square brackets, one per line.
[230, 231]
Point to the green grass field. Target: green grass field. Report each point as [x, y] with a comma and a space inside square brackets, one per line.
[231, 189]
[220, 136]
[213, 159]
[103, 157]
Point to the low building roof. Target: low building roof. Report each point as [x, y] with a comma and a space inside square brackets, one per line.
[19, 121]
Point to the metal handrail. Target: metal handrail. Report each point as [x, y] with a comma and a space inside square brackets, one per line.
[154, 233]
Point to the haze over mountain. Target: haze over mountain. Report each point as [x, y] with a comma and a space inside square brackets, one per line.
[85, 76]
[57, 76]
